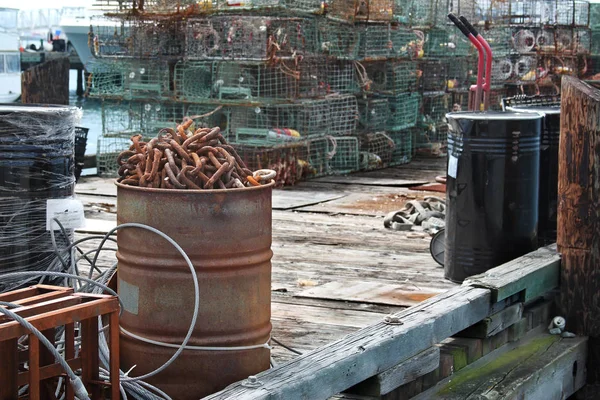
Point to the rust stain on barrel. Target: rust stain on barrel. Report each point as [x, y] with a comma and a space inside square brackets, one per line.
[227, 235]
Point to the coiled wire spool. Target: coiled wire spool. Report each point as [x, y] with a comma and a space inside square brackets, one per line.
[36, 165]
[524, 41]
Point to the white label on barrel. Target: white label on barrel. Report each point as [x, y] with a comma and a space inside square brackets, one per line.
[452, 166]
[68, 211]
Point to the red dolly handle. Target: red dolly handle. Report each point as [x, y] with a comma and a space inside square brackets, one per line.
[488, 61]
[481, 61]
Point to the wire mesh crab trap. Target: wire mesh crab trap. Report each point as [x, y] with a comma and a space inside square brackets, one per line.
[574, 13]
[392, 77]
[249, 37]
[594, 16]
[341, 77]
[446, 42]
[466, 8]
[430, 139]
[343, 114]
[121, 118]
[403, 111]
[288, 160]
[107, 79]
[109, 148]
[346, 154]
[385, 41]
[500, 40]
[377, 150]
[433, 75]
[310, 6]
[403, 148]
[435, 108]
[374, 114]
[338, 40]
[458, 73]
[194, 80]
[361, 10]
[138, 38]
[277, 124]
[252, 82]
[415, 13]
[493, 12]
[319, 154]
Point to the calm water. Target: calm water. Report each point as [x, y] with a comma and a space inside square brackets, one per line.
[92, 114]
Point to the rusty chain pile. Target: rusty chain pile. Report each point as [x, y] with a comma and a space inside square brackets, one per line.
[182, 159]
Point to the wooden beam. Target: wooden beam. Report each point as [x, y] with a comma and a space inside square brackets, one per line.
[494, 323]
[46, 83]
[545, 367]
[361, 355]
[405, 372]
[579, 214]
[532, 275]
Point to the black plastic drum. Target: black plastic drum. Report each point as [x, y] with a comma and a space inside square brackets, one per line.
[548, 202]
[491, 190]
[36, 164]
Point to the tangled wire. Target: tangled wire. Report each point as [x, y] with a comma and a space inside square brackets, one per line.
[182, 159]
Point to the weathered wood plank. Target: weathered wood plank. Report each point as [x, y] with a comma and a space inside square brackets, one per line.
[342, 364]
[545, 367]
[46, 83]
[534, 274]
[368, 292]
[494, 323]
[405, 372]
[579, 214]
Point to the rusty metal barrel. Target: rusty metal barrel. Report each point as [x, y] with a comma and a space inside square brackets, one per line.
[227, 235]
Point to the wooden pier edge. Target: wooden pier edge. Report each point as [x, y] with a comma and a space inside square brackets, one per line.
[579, 218]
[370, 351]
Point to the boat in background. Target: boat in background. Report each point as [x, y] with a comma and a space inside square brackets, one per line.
[10, 57]
[76, 26]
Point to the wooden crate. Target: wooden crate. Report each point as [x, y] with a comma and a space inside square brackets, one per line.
[48, 308]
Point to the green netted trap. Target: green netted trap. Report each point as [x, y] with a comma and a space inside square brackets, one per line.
[107, 79]
[319, 154]
[249, 37]
[345, 150]
[500, 40]
[310, 6]
[361, 10]
[338, 40]
[392, 77]
[194, 80]
[288, 160]
[403, 148]
[430, 139]
[277, 124]
[446, 42]
[385, 41]
[138, 37]
[415, 13]
[377, 150]
[374, 114]
[343, 114]
[459, 71]
[341, 77]
[129, 79]
[403, 111]
[109, 148]
[595, 16]
[433, 75]
[121, 118]
[436, 107]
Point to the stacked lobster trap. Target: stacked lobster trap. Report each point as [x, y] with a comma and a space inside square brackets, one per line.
[310, 88]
